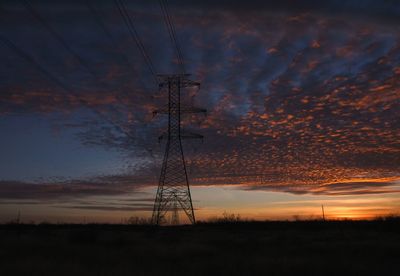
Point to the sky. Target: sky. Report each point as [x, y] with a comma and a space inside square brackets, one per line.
[302, 100]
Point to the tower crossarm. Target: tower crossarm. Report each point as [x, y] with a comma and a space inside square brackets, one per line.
[182, 78]
[183, 110]
[184, 135]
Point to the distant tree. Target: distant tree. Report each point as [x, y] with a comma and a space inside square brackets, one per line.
[296, 217]
[229, 217]
[138, 221]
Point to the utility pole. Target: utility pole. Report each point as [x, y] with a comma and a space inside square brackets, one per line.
[173, 193]
[323, 212]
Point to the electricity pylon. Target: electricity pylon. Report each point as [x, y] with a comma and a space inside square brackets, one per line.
[173, 191]
[175, 213]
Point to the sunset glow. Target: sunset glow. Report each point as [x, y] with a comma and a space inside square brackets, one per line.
[303, 111]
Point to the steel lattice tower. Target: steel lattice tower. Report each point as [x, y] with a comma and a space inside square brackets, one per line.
[173, 193]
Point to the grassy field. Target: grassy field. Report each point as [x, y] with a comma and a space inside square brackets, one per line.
[240, 248]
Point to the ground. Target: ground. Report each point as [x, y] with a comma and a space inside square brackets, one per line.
[225, 248]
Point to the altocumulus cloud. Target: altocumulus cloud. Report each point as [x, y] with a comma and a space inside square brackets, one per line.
[302, 98]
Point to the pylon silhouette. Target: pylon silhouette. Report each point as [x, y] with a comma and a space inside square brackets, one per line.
[173, 193]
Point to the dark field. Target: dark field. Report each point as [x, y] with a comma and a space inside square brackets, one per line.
[241, 248]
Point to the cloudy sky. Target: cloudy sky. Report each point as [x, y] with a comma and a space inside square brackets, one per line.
[303, 101]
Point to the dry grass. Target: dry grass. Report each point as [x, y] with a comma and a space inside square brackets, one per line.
[228, 247]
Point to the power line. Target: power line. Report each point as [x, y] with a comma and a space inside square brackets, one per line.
[65, 87]
[171, 29]
[60, 39]
[95, 12]
[31, 60]
[97, 16]
[130, 24]
[172, 34]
